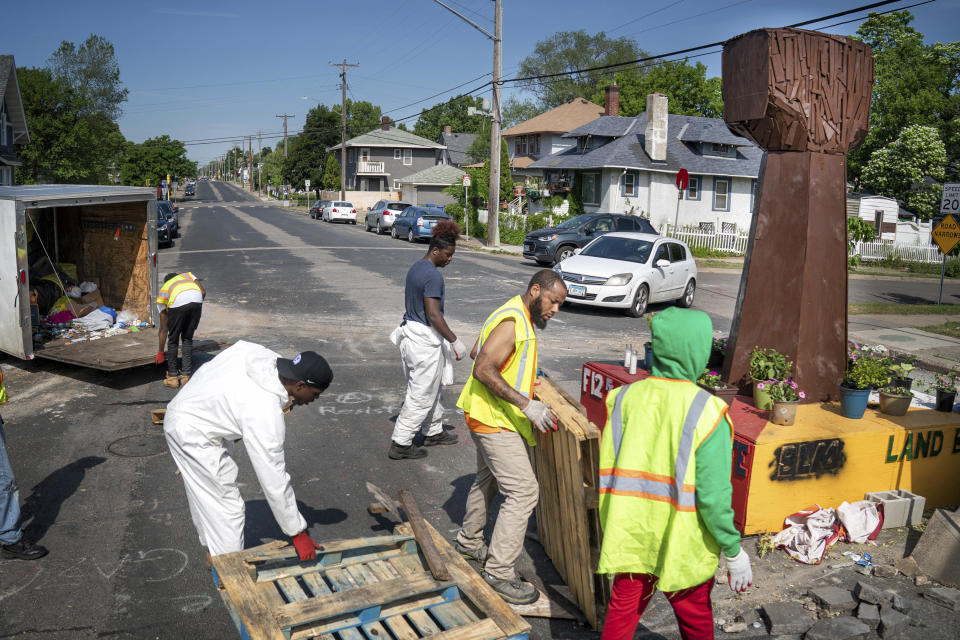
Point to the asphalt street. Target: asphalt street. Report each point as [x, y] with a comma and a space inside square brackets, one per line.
[100, 490]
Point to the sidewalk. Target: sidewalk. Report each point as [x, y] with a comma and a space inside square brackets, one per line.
[932, 352]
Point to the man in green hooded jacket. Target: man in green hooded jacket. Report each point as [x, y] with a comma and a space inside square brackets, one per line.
[665, 492]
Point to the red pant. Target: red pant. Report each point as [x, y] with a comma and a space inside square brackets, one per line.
[631, 595]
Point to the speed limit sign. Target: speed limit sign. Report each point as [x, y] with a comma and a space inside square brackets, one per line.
[950, 202]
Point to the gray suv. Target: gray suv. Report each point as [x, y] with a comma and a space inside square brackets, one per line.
[555, 244]
[381, 215]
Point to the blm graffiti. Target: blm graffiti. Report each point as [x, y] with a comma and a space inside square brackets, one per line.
[801, 460]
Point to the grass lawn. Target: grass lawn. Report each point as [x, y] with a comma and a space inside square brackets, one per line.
[903, 309]
[947, 329]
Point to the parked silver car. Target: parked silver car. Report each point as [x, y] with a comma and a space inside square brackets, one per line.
[383, 213]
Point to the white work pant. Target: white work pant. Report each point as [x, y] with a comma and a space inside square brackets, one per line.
[423, 368]
[210, 479]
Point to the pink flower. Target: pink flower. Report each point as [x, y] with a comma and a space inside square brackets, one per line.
[793, 385]
[714, 373]
[801, 394]
[760, 386]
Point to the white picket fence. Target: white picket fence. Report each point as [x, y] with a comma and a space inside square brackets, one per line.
[881, 250]
[731, 242]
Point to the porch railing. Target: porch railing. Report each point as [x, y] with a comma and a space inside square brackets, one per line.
[366, 166]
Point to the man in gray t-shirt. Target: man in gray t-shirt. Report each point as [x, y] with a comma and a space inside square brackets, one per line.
[420, 338]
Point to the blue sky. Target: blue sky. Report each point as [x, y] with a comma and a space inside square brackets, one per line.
[215, 69]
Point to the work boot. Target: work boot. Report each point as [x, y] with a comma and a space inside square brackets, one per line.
[398, 452]
[478, 555]
[444, 437]
[171, 382]
[183, 379]
[514, 591]
[23, 550]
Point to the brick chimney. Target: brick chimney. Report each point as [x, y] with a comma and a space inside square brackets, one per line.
[447, 129]
[655, 133]
[611, 100]
[384, 123]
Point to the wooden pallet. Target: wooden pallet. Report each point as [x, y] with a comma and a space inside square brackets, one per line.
[568, 523]
[360, 589]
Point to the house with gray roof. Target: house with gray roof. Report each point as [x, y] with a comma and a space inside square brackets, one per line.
[455, 148]
[13, 119]
[378, 160]
[426, 187]
[629, 165]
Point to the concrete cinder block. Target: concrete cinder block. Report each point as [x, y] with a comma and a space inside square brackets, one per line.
[845, 628]
[787, 618]
[900, 507]
[869, 614]
[866, 592]
[884, 571]
[907, 566]
[892, 622]
[833, 599]
[938, 551]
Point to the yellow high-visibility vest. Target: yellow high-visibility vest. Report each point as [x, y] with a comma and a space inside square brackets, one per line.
[648, 506]
[175, 286]
[519, 371]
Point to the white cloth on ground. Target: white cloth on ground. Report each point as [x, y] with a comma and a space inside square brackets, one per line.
[860, 519]
[236, 395]
[427, 364]
[808, 533]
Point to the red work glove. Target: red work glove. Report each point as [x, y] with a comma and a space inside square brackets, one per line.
[159, 358]
[306, 547]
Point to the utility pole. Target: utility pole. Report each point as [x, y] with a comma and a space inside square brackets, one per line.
[285, 116]
[493, 216]
[250, 148]
[259, 162]
[343, 124]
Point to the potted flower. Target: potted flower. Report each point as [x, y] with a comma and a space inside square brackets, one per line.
[946, 388]
[895, 400]
[767, 365]
[718, 351]
[786, 395]
[710, 380]
[901, 374]
[865, 373]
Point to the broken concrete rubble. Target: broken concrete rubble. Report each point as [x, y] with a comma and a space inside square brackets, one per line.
[785, 618]
[833, 599]
[884, 571]
[869, 614]
[844, 628]
[866, 592]
[938, 551]
[892, 622]
[944, 596]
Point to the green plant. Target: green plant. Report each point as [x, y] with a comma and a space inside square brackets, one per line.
[893, 390]
[944, 383]
[865, 372]
[901, 369]
[785, 390]
[710, 378]
[719, 345]
[769, 364]
[858, 230]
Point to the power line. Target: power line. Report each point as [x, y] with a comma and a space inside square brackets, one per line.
[647, 15]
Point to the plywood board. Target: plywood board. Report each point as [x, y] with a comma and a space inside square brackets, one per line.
[115, 352]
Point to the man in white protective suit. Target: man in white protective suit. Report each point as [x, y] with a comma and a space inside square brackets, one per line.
[427, 348]
[242, 393]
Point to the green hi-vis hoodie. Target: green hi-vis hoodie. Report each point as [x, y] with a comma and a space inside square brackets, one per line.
[681, 347]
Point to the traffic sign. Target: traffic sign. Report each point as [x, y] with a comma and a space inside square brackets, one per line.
[950, 201]
[307, 183]
[947, 234]
[466, 179]
[683, 179]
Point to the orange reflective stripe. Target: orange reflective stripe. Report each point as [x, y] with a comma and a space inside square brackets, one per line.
[656, 477]
[650, 496]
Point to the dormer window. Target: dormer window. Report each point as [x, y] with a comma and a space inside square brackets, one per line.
[718, 149]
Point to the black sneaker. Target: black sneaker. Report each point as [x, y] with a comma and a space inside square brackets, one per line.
[444, 437]
[398, 452]
[514, 591]
[477, 555]
[23, 550]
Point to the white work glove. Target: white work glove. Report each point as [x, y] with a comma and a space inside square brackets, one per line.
[739, 573]
[540, 416]
[459, 349]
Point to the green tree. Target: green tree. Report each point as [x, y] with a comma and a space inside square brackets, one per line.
[570, 51]
[331, 173]
[155, 158]
[687, 87]
[453, 112]
[362, 117]
[479, 149]
[910, 169]
[273, 167]
[514, 111]
[92, 71]
[915, 84]
[68, 143]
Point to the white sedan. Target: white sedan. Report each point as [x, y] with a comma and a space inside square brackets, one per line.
[338, 210]
[630, 270]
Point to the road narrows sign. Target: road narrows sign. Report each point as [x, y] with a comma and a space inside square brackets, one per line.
[946, 234]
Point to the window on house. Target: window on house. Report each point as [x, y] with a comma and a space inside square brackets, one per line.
[878, 221]
[535, 144]
[408, 156]
[721, 194]
[693, 188]
[396, 154]
[364, 154]
[629, 185]
[523, 145]
[396, 185]
[591, 188]
[3, 129]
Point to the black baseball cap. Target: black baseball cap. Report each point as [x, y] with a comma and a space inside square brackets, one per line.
[309, 367]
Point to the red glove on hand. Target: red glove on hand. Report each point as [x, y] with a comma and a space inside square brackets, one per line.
[159, 358]
[306, 548]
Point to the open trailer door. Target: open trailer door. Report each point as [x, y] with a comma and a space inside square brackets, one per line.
[15, 336]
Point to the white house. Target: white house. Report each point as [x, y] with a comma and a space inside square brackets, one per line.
[630, 164]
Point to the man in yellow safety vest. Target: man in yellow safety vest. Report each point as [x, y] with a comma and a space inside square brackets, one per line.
[665, 492]
[181, 303]
[499, 409]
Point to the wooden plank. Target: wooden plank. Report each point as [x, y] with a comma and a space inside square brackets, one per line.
[286, 551]
[352, 600]
[427, 547]
[383, 570]
[250, 610]
[114, 353]
[544, 607]
[401, 628]
[265, 575]
[482, 630]
[292, 590]
[423, 623]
